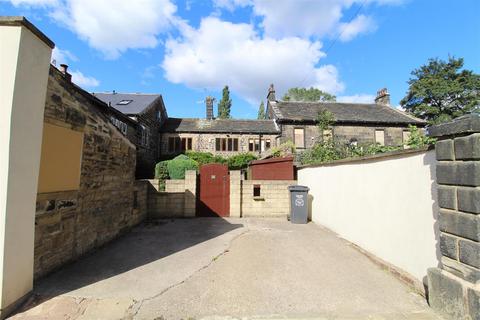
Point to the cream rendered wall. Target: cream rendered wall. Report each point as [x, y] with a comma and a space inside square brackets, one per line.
[24, 64]
[386, 206]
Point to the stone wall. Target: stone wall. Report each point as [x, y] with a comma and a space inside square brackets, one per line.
[454, 287]
[180, 197]
[148, 155]
[274, 199]
[71, 223]
[344, 133]
[205, 142]
[177, 201]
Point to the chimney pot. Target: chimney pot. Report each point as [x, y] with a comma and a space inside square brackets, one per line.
[209, 106]
[271, 93]
[64, 70]
[383, 97]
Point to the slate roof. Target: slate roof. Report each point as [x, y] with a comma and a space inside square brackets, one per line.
[140, 101]
[178, 125]
[343, 112]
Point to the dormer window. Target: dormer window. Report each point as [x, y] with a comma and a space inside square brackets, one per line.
[124, 102]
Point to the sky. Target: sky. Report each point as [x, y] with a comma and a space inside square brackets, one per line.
[187, 50]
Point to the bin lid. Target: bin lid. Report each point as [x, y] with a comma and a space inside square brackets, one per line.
[298, 188]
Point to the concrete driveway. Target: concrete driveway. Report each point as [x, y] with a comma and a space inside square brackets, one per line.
[225, 268]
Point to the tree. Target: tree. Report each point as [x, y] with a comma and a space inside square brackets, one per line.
[325, 119]
[261, 111]
[440, 91]
[225, 104]
[311, 95]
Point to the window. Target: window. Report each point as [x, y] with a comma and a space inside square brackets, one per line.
[124, 102]
[226, 144]
[145, 136]
[268, 144]
[159, 115]
[177, 144]
[122, 126]
[299, 137]
[380, 137]
[405, 137]
[256, 190]
[253, 145]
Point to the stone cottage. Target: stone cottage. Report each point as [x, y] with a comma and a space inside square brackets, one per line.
[139, 116]
[224, 137]
[87, 193]
[356, 123]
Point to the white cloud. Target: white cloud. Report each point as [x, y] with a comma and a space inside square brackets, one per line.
[112, 27]
[306, 18]
[361, 24]
[221, 53]
[299, 18]
[84, 81]
[357, 98]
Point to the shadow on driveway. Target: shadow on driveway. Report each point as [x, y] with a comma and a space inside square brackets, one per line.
[134, 266]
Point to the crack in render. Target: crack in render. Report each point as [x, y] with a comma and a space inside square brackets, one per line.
[214, 259]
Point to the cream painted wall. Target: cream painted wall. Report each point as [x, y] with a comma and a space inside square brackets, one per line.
[386, 206]
[24, 65]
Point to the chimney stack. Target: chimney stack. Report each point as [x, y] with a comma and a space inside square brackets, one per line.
[63, 69]
[383, 97]
[209, 104]
[271, 93]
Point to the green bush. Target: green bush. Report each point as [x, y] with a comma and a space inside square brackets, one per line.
[417, 139]
[329, 151]
[240, 161]
[205, 157]
[321, 152]
[177, 166]
[285, 149]
[161, 170]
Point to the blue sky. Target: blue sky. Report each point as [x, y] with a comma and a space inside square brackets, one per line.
[187, 50]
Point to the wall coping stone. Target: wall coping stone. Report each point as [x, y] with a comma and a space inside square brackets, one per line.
[370, 158]
[469, 123]
[22, 21]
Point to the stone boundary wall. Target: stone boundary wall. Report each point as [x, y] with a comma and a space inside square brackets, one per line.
[69, 224]
[454, 288]
[180, 197]
[177, 201]
[274, 199]
[385, 204]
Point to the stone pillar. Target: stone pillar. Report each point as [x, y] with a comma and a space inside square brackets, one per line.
[24, 65]
[235, 194]
[454, 288]
[190, 193]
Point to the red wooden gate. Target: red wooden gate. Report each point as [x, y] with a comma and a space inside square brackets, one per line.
[214, 197]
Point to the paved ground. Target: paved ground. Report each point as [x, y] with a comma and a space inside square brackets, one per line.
[224, 269]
